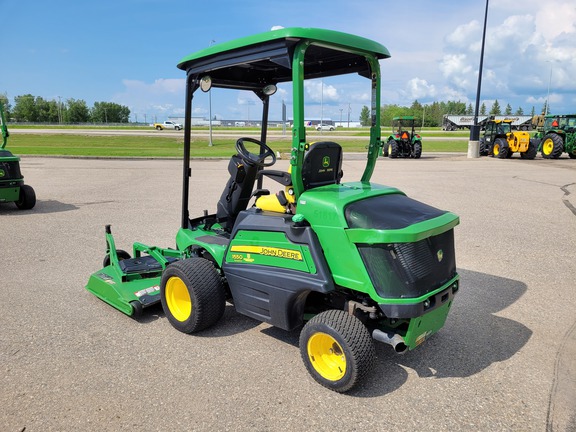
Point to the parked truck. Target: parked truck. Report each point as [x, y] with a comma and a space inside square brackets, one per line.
[518, 122]
[167, 125]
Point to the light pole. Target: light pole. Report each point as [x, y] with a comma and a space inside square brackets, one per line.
[474, 143]
[210, 107]
[321, 105]
[549, 82]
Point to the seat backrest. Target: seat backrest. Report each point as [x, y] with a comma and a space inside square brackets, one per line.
[322, 165]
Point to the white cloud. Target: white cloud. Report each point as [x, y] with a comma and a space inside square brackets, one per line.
[520, 52]
[317, 91]
[419, 88]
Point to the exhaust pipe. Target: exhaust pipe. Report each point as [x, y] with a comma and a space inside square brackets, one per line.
[391, 339]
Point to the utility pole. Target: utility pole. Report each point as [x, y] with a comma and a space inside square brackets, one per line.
[349, 111]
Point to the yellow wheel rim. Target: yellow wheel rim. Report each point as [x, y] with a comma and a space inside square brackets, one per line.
[389, 148]
[327, 356]
[547, 147]
[178, 299]
[496, 149]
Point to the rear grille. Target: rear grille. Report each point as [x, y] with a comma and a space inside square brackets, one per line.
[408, 270]
[11, 170]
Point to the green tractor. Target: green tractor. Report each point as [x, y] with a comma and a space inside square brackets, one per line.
[348, 263]
[404, 141]
[12, 187]
[558, 135]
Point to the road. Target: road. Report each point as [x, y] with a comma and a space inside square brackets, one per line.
[272, 135]
[505, 360]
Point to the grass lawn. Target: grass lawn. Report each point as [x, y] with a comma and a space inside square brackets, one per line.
[170, 146]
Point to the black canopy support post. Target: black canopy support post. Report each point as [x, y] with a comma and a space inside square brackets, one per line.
[474, 143]
[265, 108]
[264, 129]
[191, 86]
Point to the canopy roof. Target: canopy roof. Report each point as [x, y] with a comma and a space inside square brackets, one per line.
[266, 58]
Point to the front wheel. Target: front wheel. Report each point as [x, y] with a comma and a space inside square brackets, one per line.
[337, 350]
[158, 127]
[530, 153]
[192, 295]
[500, 149]
[27, 198]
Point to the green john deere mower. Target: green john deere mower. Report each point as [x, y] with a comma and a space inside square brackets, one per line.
[12, 187]
[348, 261]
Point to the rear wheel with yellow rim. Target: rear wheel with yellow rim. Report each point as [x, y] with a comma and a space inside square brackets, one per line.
[337, 350]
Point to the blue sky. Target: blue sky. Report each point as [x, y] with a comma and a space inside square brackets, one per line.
[126, 51]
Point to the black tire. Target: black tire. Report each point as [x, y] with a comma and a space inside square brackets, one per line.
[482, 148]
[552, 146]
[158, 127]
[122, 255]
[417, 150]
[531, 152]
[136, 309]
[337, 350]
[392, 149]
[177, 128]
[192, 295]
[27, 198]
[500, 148]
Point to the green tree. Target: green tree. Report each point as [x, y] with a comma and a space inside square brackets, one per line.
[365, 116]
[519, 111]
[508, 110]
[469, 110]
[76, 111]
[6, 105]
[47, 111]
[25, 109]
[388, 112]
[456, 108]
[483, 109]
[495, 110]
[109, 112]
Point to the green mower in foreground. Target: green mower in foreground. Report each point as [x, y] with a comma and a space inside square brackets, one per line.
[12, 187]
[347, 262]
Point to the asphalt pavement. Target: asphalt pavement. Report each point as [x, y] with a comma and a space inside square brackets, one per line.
[504, 361]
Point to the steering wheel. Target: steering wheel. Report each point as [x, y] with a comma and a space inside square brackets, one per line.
[255, 159]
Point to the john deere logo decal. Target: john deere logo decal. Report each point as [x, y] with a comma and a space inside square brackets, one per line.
[2, 173]
[326, 161]
[440, 255]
